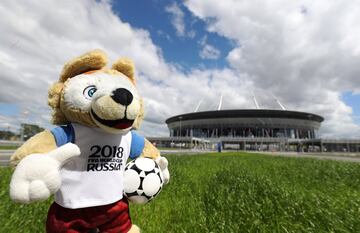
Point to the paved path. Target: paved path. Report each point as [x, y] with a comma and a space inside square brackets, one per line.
[184, 152]
[331, 156]
[5, 155]
[348, 157]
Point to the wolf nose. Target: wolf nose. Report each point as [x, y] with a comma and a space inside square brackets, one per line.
[122, 96]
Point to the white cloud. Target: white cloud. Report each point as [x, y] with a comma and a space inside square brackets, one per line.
[36, 43]
[177, 18]
[178, 21]
[208, 51]
[306, 53]
[7, 122]
[164, 34]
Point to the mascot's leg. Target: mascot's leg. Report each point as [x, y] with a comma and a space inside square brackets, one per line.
[134, 229]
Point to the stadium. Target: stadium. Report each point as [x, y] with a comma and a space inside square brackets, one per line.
[254, 123]
[252, 129]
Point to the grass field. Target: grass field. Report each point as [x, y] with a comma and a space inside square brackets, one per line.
[8, 147]
[232, 192]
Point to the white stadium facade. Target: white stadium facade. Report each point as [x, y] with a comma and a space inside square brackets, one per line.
[252, 129]
[254, 123]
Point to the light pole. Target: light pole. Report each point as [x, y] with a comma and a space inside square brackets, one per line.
[22, 125]
[22, 132]
[180, 131]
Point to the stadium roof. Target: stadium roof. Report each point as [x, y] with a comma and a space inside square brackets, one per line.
[246, 113]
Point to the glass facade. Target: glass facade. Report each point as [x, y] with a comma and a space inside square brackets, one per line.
[246, 123]
[255, 132]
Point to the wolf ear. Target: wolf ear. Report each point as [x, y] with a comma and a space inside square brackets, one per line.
[125, 66]
[54, 99]
[93, 60]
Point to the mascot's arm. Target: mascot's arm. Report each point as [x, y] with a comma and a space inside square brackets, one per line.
[150, 151]
[40, 143]
[38, 163]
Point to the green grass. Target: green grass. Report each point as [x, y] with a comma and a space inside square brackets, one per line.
[10, 147]
[232, 192]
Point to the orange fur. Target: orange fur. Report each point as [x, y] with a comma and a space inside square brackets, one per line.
[125, 66]
[93, 60]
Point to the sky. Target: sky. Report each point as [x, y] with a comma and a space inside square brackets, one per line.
[304, 53]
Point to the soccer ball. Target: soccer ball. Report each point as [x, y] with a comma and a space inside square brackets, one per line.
[143, 180]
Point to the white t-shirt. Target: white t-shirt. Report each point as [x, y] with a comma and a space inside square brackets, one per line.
[96, 176]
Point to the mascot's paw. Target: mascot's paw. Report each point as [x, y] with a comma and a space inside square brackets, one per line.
[38, 175]
[163, 164]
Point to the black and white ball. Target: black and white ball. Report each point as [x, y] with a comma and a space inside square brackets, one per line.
[143, 180]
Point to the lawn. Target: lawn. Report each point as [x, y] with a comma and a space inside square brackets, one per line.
[232, 192]
[9, 147]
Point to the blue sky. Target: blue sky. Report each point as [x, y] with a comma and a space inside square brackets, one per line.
[181, 50]
[9, 109]
[353, 100]
[310, 62]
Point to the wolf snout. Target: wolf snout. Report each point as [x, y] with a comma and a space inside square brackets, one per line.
[122, 96]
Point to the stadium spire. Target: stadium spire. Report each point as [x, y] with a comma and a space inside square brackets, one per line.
[279, 103]
[255, 101]
[198, 106]
[219, 108]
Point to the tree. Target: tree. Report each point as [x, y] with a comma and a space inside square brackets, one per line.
[7, 135]
[29, 130]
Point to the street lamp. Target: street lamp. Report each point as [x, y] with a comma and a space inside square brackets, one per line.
[22, 125]
[180, 130]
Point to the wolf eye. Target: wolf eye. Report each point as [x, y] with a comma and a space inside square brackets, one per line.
[89, 91]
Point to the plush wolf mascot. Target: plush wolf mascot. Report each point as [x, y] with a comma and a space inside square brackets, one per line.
[82, 160]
